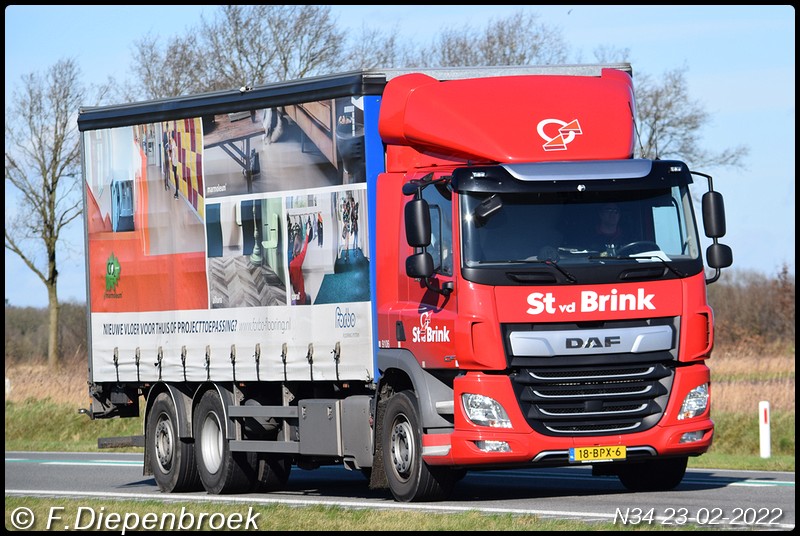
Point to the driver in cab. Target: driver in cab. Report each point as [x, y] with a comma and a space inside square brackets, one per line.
[608, 234]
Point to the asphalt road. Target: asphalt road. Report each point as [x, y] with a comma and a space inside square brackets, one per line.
[717, 498]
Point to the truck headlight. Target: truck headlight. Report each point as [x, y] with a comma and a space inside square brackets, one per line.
[485, 411]
[695, 402]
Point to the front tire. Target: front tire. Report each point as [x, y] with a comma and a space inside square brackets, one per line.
[172, 460]
[221, 470]
[410, 478]
[653, 475]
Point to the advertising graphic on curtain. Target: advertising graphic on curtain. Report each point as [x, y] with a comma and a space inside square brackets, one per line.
[231, 246]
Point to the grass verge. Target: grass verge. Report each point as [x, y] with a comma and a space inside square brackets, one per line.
[41, 424]
[127, 516]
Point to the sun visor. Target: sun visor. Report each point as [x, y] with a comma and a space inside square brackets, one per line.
[512, 119]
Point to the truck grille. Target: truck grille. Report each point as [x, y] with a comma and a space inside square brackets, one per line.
[588, 399]
[592, 378]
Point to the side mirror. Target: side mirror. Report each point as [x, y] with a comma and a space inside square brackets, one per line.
[418, 223]
[719, 256]
[419, 265]
[713, 214]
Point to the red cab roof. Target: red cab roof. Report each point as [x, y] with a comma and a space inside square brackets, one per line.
[512, 119]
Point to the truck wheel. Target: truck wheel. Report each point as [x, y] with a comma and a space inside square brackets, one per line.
[410, 478]
[653, 475]
[221, 470]
[171, 460]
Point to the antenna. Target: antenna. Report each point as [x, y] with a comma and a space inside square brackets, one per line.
[636, 129]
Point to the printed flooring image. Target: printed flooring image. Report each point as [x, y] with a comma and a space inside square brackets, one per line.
[237, 282]
[245, 253]
[288, 164]
[145, 218]
[349, 281]
[294, 147]
[173, 224]
[328, 257]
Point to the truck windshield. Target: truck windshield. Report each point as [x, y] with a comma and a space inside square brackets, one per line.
[573, 229]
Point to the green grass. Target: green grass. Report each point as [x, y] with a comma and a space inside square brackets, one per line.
[738, 433]
[736, 443]
[112, 515]
[41, 424]
[743, 462]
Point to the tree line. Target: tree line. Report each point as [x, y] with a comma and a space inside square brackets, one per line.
[253, 45]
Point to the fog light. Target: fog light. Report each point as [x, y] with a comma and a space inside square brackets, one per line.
[493, 446]
[691, 437]
[485, 411]
[695, 402]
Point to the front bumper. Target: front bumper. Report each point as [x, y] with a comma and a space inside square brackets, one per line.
[472, 445]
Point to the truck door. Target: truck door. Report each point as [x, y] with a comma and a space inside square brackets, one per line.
[431, 335]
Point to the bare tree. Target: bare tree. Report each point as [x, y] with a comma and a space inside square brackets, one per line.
[307, 40]
[670, 122]
[223, 53]
[256, 44]
[43, 164]
[167, 72]
[610, 54]
[519, 39]
[237, 46]
[241, 45]
[374, 49]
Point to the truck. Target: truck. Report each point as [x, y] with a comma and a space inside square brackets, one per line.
[397, 271]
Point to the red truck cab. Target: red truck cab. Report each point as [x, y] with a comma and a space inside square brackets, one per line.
[534, 345]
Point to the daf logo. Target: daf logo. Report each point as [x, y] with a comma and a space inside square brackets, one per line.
[591, 342]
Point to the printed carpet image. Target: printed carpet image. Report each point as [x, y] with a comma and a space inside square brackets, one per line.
[349, 282]
[237, 282]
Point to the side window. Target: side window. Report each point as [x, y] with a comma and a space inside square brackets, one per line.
[668, 224]
[441, 248]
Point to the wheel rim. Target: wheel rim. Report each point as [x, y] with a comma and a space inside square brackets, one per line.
[211, 443]
[402, 447]
[164, 443]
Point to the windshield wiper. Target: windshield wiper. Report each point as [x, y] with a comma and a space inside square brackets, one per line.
[547, 262]
[554, 264]
[665, 263]
[550, 262]
[640, 256]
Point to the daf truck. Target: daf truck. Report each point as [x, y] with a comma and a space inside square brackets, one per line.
[406, 273]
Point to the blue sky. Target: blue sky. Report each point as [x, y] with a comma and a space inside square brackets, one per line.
[740, 60]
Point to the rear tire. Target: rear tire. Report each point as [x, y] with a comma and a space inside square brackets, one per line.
[221, 470]
[410, 478]
[653, 475]
[172, 460]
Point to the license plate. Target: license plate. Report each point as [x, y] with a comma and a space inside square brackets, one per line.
[595, 454]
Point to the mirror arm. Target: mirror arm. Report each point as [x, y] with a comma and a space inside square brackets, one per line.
[445, 289]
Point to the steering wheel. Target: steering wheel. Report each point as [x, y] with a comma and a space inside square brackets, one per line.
[639, 246]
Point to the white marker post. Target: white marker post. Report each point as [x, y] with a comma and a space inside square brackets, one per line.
[763, 428]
